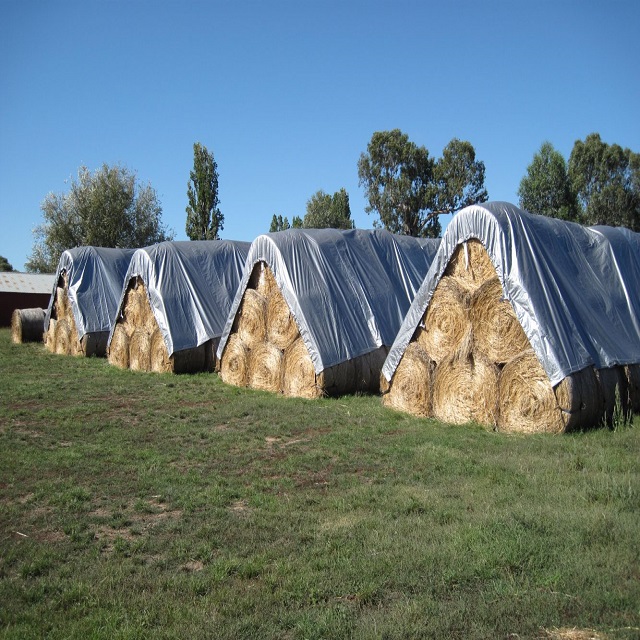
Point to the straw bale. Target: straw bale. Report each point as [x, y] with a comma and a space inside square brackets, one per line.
[62, 304]
[263, 280]
[189, 360]
[95, 343]
[465, 388]
[282, 329]
[266, 367]
[497, 332]
[527, 401]
[299, 377]
[339, 379]
[580, 400]
[234, 364]
[50, 336]
[119, 348]
[470, 265]
[252, 318]
[446, 320]
[632, 373]
[368, 368]
[27, 325]
[140, 350]
[411, 386]
[158, 354]
[63, 337]
[615, 392]
[210, 359]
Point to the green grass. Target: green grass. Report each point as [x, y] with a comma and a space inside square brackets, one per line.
[139, 505]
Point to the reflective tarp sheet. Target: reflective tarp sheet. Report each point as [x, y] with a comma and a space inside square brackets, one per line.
[348, 291]
[190, 286]
[574, 289]
[94, 279]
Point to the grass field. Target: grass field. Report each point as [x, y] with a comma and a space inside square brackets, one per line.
[138, 505]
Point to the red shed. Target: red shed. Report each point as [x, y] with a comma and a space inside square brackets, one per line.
[23, 291]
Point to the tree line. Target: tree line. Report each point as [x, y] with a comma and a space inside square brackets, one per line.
[404, 185]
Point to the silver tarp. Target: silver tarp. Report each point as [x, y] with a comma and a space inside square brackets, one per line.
[348, 291]
[574, 289]
[94, 279]
[190, 286]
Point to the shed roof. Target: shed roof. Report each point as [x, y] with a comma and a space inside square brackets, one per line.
[18, 282]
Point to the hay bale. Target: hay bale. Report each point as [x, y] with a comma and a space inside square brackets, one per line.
[446, 320]
[189, 360]
[63, 337]
[580, 400]
[118, 354]
[27, 325]
[266, 367]
[410, 389]
[95, 344]
[527, 401]
[632, 374]
[368, 369]
[339, 379]
[470, 265]
[282, 329]
[465, 389]
[299, 378]
[251, 319]
[160, 362]
[210, 359]
[615, 391]
[50, 336]
[234, 364]
[140, 350]
[263, 280]
[62, 304]
[497, 332]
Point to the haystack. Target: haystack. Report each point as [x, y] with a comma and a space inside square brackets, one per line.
[476, 359]
[317, 328]
[27, 325]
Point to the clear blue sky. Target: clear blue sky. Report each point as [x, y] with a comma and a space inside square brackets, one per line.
[287, 94]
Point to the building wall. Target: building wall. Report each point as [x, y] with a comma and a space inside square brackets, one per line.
[10, 300]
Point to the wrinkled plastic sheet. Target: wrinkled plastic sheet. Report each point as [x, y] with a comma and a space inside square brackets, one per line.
[574, 289]
[94, 279]
[190, 286]
[348, 291]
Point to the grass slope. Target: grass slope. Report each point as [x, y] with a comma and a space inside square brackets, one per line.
[140, 505]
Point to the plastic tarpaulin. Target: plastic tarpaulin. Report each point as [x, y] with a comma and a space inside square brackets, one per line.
[574, 289]
[348, 291]
[94, 280]
[190, 286]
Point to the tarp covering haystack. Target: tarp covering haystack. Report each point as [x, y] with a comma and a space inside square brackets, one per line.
[524, 323]
[84, 301]
[317, 309]
[174, 303]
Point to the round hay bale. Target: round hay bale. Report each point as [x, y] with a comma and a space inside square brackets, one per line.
[446, 320]
[76, 347]
[339, 379]
[63, 337]
[497, 333]
[50, 336]
[118, 354]
[580, 400]
[210, 358]
[299, 377]
[411, 387]
[266, 367]
[632, 373]
[140, 351]
[27, 325]
[615, 392]
[282, 329]
[263, 280]
[368, 368]
[189, 360]
[62, 304]
[252, 319]
[234, 364]
[95, 344]
[470, 265]
[158, 354]
[465, 389]
[528, 403]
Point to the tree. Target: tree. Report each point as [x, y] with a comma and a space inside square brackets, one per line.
[5, 265]
[204, 218]
[409, 190]
[325, 211]
[606, 180]
[107, 208]
[546, 188]
[278, 223]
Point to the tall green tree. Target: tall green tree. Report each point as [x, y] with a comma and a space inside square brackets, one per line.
[107, 208]
[325, 211]
[278, 223]
[204, 218]
[606, 180]
[546, 188]
[5, 265]
[409, 190]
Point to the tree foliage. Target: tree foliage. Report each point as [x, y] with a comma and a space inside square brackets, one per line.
[325, 211]
[5, 265]
[410, 190]
[204, 218]
[107, 208]
[546, 188]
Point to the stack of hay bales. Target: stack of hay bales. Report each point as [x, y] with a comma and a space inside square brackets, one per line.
[83, 303]
[468, 358]
[27, 325]
[269, 341]
[174, 304]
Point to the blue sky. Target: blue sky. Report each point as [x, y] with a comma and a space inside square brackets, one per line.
[287, 94]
